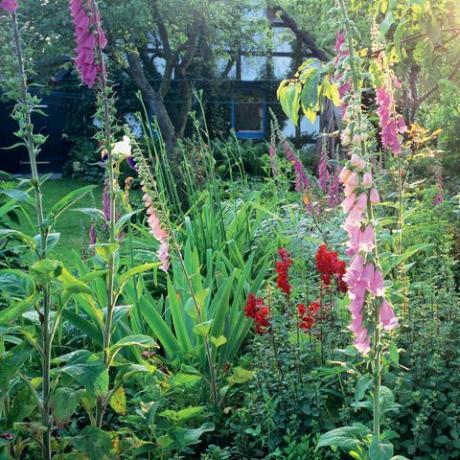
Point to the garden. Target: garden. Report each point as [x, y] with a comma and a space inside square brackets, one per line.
[197, 281]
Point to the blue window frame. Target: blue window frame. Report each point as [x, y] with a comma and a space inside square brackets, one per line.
[249, 114]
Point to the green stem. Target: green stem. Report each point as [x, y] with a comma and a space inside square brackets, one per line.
[33, 150]
[110, 278]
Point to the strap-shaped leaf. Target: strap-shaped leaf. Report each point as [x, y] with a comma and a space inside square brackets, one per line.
[69, 200]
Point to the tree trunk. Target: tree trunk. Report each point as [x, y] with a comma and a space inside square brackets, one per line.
[153, 102]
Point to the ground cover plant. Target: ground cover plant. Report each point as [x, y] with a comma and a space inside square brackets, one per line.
[213, 299]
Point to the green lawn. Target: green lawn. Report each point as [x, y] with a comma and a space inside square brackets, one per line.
[73, 226]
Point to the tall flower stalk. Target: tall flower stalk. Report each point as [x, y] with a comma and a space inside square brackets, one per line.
[90, 61]
[371, 312]
[23, 111]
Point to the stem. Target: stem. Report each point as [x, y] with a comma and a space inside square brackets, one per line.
[33, 150]
[108, 145]
[377, 377]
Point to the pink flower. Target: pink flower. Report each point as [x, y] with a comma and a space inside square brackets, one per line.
[367, 179]
[349, 202]
[387, 316]
[9, 5]
[374, 196]
[159, 233]
[361, 202]
[377, 286]
[391, 124]
[357, 162]
[344, 174]
[363, 342]
[88, 35]
[367, 239]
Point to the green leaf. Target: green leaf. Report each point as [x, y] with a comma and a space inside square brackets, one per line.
[219, 341]
[95, 443]
[11, 362]
[118, 401]
[179, 416]
[52, 239]
[138, 340]
[347, 437]
[202, 329]
[90, 373]
[46, 270]
[125, 277]
[69, 200]
[309, 94]
[9, 314]
[379, 450]
[289, 97]
[17, 195]
[394, 353]
[240, 376]
[193, 435]
[160, 329]
[362, 385]
[64, 402]
[106, 250]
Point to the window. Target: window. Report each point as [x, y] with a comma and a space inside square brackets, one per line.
[248, 116]
[253, 67]
[282, 40]
[281, 66]
[306, 127]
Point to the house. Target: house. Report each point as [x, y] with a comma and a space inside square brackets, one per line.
[242, 102]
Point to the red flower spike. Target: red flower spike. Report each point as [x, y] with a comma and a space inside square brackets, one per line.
[282, 270]
[331, 267]
[259, 312]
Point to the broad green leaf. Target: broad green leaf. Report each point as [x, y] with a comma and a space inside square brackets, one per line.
[139, 340]
[64, 403]
[289, 97]
[52, 239]
[179, 416]
[347, 437]
[90, 373]
[106, 250]
[192, 435]
[160, 329]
